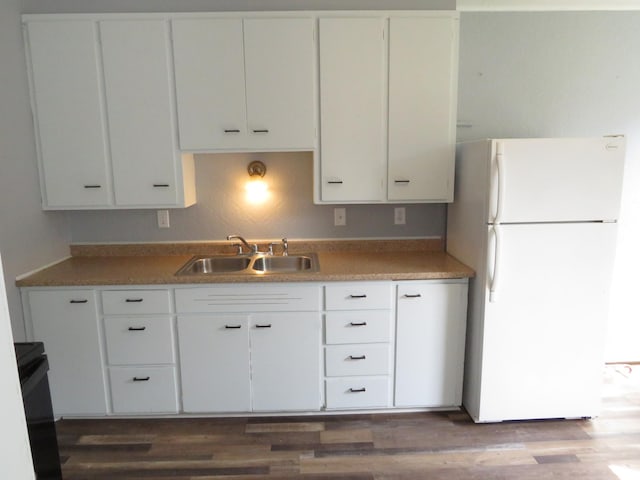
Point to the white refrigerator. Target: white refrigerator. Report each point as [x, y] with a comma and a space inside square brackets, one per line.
[536, 219]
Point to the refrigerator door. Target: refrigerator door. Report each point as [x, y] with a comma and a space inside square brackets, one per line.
[556, 180]
[541, 349]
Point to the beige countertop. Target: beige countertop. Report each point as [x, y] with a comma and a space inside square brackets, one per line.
[153, 264]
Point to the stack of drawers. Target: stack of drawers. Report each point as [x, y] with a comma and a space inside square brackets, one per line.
[358, 345]
[139, 335]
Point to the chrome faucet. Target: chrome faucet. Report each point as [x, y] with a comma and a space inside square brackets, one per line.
[253, 249]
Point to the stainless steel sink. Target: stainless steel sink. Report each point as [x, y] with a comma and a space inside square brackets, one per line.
[250, 265]
[292, 263]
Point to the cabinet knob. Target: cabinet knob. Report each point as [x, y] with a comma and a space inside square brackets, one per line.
[261, 130]
[358, 324]
[358, 296]
[402, 182]
[232, 327]
[416, 295]
[160, 185]
[263, 326]
[93, 186]
[141, 379]
[231, 130]
[137, 329]
[357, 357]
[134, 300]
[334, 182]
[79, 301]
[357, 390]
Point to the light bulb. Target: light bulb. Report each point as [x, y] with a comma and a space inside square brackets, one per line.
[257, 190]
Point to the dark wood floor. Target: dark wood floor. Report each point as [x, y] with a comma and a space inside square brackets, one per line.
[412, 446]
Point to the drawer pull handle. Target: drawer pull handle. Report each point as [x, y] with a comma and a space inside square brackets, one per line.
[141, 379]
[93, 186]
[357, 390]
[160, 185]
[262, 130]
[358, 324]
[137, 329]
[358, 296]
[402, 181]
[263, 326]
[232, 327]
[357, 357]
[335, 182]
[134, 300]
[78, 301]
[231, 130]
[417, 295]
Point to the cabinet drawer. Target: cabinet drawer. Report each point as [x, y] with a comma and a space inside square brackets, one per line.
[367, 326]
[357, 392]
[358, 296]
[342, 360]
[125, 302]
[139, 340]
[143, 390]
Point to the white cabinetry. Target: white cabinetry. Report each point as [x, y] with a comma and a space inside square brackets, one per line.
[387, 119]
[139, 339]
[352, 108]
[66, 321]
[104, 107]
[358, 347]
[245, 84]
[250, 348]
[431, 323]
[423, 78]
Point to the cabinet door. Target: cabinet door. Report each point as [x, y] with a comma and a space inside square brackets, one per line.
[423, 58]
[286, 361]
[214, 363]
[210, 84]
[279, 62]
[140, 111]
[430, 343]
[69, 113]
[67, 322]
[352, 109]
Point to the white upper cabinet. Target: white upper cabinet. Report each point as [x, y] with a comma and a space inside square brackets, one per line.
[105, 114]
[71, 123]
[423, 59]
[388, 89]
[142, 129]
[352, 109]
[245, 84]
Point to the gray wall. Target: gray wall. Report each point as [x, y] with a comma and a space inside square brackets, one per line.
[563, 74]
[28, 237]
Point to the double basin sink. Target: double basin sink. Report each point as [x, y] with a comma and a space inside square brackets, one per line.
[250, 264]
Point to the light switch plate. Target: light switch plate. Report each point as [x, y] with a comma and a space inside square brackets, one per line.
[340, 217]
[399, 216]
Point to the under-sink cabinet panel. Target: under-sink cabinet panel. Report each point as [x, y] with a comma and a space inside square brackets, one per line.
[143, 389]
[139, 340]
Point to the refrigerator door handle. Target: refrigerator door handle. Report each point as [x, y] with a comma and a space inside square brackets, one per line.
[494, 276]
[501, 183]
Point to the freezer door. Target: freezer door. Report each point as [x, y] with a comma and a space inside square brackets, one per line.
[556, 180]
[543, 333]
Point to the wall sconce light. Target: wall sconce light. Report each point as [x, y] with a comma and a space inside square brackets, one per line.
[256, 188]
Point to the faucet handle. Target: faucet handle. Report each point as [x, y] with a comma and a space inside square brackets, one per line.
[285, 247]
[239, 247]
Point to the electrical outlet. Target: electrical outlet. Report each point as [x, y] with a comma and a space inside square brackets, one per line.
[399, 216]
[163, 218]
[340, 217]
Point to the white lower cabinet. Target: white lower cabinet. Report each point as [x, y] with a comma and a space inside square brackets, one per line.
[66, 321]
[235, 358]
[140, 346]
[430, 335]
[252, 347]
